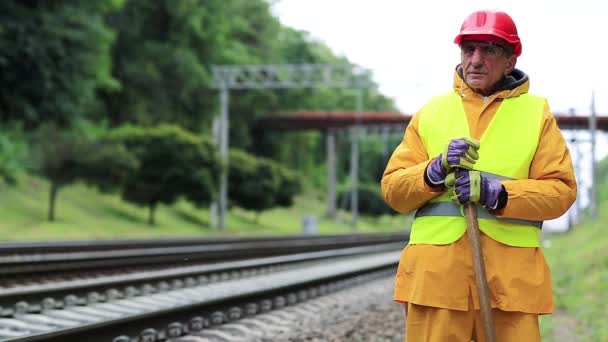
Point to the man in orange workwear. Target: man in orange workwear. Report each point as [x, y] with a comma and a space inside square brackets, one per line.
[489, 142]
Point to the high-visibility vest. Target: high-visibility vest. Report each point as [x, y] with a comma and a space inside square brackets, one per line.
[506, 151]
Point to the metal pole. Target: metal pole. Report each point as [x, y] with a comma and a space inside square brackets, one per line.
[224, 129]
[331, 173]
[593, 128]
[354, 170]
[217, 139]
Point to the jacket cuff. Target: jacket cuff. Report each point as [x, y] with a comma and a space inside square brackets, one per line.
[429, 182]
[503, 198]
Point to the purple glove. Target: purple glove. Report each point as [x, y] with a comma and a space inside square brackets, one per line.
[472, 187]
[458, 153]
[435, 173]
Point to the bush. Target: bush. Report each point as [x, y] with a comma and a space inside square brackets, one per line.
[253, 184]
[370, 200]
[259, 183]
[290, 186]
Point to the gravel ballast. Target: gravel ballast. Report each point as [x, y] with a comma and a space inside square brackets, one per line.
[365, 312]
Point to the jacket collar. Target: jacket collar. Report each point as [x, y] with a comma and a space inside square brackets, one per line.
[514, 84]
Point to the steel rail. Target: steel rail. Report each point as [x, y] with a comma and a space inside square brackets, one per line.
[38, 257]
[36, 247]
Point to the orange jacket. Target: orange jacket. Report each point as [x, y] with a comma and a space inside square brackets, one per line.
[441, 275]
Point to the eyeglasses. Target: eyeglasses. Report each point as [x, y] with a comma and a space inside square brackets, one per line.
[487, 49]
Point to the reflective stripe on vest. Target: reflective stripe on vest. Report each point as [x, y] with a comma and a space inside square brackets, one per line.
[507, 148]
[452, 209]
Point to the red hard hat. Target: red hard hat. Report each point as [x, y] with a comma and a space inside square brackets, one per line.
[490, 23]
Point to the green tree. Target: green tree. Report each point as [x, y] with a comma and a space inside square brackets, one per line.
[165, 51]
[54, 56]
[64, 157]
[173, 163]
[253, 182]
[153, 58]
[57, 155]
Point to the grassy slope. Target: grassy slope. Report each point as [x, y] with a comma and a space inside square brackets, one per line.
[579, 264]
[83, 213]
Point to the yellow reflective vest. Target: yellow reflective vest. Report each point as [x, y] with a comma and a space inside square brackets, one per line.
[506, 150]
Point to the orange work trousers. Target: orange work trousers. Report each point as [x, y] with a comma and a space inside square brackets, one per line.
[429, 324]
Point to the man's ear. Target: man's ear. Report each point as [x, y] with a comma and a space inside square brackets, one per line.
[511, 64]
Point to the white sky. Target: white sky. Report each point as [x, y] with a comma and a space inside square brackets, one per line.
[408, 45]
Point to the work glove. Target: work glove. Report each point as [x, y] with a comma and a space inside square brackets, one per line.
[459, 153]
[471, 187]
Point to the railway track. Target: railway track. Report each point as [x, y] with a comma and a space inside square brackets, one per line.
[165, 303]
[48, 259]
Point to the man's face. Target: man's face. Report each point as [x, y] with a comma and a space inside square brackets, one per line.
[484, 64]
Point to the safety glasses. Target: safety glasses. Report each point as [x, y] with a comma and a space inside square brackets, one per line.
[487, 49]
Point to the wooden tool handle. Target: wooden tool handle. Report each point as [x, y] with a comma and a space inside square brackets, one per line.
[481, 281]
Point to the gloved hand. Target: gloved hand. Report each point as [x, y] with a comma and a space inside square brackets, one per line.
[458, 153]
[471, 187]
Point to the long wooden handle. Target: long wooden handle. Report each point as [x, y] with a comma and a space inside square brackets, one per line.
[481, 281]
